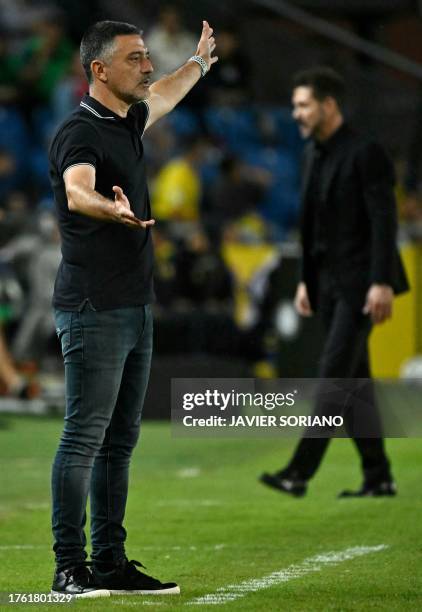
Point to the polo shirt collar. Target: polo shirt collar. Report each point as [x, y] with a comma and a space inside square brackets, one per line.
[96, 108]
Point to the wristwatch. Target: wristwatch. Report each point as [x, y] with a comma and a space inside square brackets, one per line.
[202, 63]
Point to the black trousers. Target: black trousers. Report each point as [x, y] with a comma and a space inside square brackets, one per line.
[345, 356]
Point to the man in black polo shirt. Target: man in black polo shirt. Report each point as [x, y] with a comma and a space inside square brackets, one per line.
[102, 296]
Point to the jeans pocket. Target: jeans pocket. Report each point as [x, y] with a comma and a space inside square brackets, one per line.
[63, 321]
[69, 333]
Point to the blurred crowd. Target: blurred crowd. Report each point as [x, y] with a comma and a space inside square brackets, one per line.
[224, 181]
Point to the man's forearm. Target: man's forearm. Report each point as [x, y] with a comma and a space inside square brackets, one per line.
[87, 201]
[174, 87]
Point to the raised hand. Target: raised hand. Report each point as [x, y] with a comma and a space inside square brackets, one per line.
[206, 45]
[123, 212]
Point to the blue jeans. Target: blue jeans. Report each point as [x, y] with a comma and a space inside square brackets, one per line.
[107, 357]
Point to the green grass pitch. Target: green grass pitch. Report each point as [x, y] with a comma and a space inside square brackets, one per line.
[197, 515]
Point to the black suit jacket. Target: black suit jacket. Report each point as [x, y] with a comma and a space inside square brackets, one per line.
[357, 192]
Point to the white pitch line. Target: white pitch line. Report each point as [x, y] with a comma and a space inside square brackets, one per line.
[313, 564]
[192, 472]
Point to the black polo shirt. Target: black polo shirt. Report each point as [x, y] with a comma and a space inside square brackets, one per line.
[108, 263]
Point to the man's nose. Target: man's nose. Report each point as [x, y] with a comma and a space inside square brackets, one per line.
[146, 66]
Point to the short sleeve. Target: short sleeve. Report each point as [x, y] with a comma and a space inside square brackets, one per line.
[79, 144]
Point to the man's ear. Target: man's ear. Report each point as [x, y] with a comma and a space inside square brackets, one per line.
[98, 70]
[330, 104]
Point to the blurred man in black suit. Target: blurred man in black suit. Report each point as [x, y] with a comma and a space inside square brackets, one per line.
[351, 268]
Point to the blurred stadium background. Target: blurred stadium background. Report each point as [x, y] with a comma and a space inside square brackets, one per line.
[224, 179]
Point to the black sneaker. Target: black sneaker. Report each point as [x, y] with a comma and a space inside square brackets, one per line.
[387, 488]
[282, 482]
[78, 582]
[125, 579]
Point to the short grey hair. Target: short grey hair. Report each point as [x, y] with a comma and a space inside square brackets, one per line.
[98, 42]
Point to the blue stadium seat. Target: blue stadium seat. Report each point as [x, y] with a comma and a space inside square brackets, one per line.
[281, 206]
[285, 131]
[236, 127]
[183, 122]
[281, 203]
[280, 162]
[43, 122]
[39, 166]
[13, 140]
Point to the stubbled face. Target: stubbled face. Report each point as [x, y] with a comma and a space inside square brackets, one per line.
[308, 112]
[128, 71]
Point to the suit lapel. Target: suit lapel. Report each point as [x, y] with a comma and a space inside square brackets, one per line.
[308, 162]
[333, 163]
[307, 169]
[331, 166]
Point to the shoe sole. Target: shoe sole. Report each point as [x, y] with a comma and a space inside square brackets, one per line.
[87, 595]
[171, 591]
